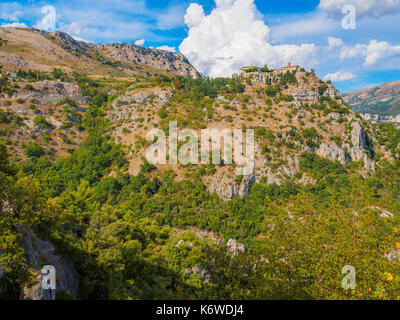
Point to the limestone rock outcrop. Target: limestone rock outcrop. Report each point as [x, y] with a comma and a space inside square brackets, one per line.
[360, 149]
[202, 273]
[48, 92]
[234, 247]
[226, 187]
[40, 253]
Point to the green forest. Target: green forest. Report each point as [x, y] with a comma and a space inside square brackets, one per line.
[127, 235]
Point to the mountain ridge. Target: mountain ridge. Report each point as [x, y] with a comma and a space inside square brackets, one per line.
[30, 48]
[382, 100]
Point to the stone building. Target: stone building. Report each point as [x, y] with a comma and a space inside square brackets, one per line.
[265, 75]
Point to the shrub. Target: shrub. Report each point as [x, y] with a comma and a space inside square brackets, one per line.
[68, 101]
[34, 150]
[41, 122]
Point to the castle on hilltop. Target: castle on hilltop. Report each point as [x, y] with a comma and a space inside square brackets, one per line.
[271, 76]
[306, 88]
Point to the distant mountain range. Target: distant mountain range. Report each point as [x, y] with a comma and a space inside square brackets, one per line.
[35, 49]
[382, 100]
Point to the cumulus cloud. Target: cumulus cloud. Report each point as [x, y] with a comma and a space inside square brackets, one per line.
[335, 42]
[233, 35]
[106, 20]
[372, 53]
[194, 15]
[11, 11]
[139, 42]
[11, 16]
[167, 48]
[373, 8]
[14, 25]
[340, 76]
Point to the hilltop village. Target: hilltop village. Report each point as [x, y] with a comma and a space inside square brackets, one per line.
[308, 84]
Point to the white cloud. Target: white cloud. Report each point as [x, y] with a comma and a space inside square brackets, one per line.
[11, 16]
[233, 35]
[378, 50]
[11, 11]
[80, 39]
[334, 42]
[372, 53]
[167, 48]
[373, 8]
[74, 27]
[139, 42]
[106, 20]
[194, 15]
[340, 76]
[14, 25]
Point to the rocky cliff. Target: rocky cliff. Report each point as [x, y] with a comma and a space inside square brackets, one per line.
[40, 253]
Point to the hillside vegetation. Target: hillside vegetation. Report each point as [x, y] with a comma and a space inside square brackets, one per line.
[324, 194]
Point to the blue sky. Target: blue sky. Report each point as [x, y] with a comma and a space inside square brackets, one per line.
[220, 36]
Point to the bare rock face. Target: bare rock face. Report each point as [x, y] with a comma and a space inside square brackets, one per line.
[39, 251]
[161, 59]
[306, 95]
[13, 59]
[360, 145]
[203, 274]
[126, 106]
[246, 184]
[331, 91]
[234, 247]
[48, 92]
[140, 97]
[332, 152]
[356, 151]
[227, 189]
